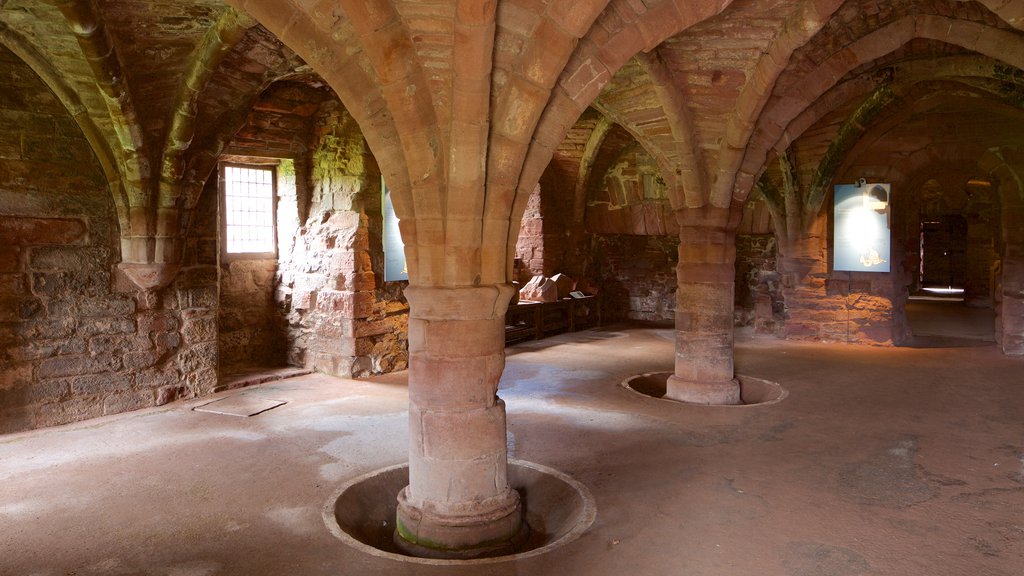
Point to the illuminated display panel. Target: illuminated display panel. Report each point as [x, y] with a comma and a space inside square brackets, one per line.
[861, 234]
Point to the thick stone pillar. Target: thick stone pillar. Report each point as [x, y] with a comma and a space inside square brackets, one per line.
[803, 265]
[1010, 305]
[458, 503]
[704, 316]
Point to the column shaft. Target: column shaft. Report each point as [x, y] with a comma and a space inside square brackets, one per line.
[704, 317]
[458, 502]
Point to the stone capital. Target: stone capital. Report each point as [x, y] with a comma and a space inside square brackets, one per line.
[458, 302]
[149, 276]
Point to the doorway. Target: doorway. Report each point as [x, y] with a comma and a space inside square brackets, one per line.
[943, 269]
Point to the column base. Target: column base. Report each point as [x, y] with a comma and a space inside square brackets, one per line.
[712, 393]
[427, 534]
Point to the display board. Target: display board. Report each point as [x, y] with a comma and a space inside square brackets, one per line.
[395, 267]
[861, 234]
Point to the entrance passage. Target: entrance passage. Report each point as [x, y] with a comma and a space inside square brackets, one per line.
[943, 248]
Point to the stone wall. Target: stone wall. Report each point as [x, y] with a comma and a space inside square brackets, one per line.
[250, 328]
[531, 242]
[758, 284]
[250, 333]
[851, 307]
[637, 276]
[276, 133]
[341, 317]
[77, 339]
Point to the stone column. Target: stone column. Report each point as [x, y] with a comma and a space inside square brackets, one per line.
[804, 268]
[458, 503]
[706, 276]
[1010, 307]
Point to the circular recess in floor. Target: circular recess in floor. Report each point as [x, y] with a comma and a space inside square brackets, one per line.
[753, 391]
[558, 509]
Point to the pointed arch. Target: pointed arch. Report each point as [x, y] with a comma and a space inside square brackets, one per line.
[99, 141]
[969, 35]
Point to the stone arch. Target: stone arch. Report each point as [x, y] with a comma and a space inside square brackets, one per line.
[651, 107]
[230, 28]
[1011, 12]
[757, 92]
[325, 38]
[688, 177]
[966, 66]
[610, 43]
[964, 199]
[98, 139]
[973, 36]
[592, 147]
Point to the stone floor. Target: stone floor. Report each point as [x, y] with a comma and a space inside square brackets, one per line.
[947, 318]
[901, 461]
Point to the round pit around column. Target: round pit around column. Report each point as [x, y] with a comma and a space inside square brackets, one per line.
[753, 391]
[557, 508]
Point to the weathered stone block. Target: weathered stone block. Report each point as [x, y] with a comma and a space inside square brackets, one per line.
[168, 394]
[116, 343]
[539, 289]
[200, 297]
[71, 410]
[34, 393]
[62, 284]
[200, 329]
[463, 435]
[104, 325]
[138, 360]
[46, 329]
[125, 401]
[167, 342]
[100, 384]
[346, 304]
[71, 365]
[304, 300]
[154, 322]
[340, 366]
[10, 258]
[197, 357]
[156, 377]
[29, 231]
[197, 277]
[68, 258]
[478, 478]
[363, 328]
[202, 381]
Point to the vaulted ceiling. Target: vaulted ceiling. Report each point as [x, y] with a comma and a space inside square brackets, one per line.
[715, 91]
